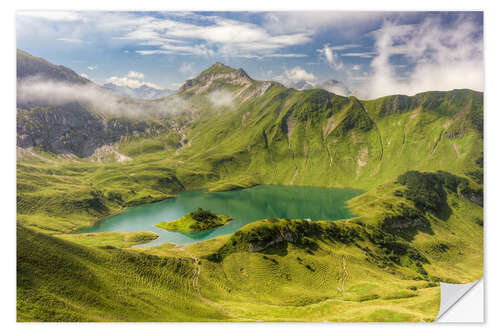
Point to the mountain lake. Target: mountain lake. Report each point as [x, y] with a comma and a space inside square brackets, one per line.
[244, 206]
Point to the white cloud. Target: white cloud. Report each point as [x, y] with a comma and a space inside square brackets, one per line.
[71, 40]
[131, 80]
[55, 15]
[167, 48]
[92, 67]
[40, 91]
[84, 75]
[294, 75]
[331, 57]
[221, 98]
[441, 57]
[356, 67]
[286, 55]
[127, 81]
[164, 33]
[225, 36]
[359, 54]
[298, 74]
[186, 68]
[135, 75]
[347, 23]
[344, 47]
[36, 89]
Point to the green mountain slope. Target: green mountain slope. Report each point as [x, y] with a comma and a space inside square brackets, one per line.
[413, 229]
[58, 280]
[317, 138]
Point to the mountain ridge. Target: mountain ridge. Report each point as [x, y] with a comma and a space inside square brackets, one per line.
[338, 116]
[29, 66]
[142, 92]
[71, 127]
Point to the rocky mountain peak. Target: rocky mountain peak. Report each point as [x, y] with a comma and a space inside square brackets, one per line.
[217, 76]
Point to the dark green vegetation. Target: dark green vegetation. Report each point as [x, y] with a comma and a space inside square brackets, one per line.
[199, 220]
[412, 230]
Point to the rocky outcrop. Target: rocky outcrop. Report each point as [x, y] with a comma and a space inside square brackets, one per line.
[216, 76]
[474, 196]
[109, 153]
[220, 76]
[404, 222]
[72, 129]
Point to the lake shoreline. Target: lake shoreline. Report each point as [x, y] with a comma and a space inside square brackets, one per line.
[245, 205]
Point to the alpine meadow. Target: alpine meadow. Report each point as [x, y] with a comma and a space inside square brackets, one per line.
[242, 199]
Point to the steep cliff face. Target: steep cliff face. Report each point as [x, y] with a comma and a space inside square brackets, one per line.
[72, 129]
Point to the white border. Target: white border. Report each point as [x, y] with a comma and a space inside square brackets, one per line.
[7, 132]
[469, 308]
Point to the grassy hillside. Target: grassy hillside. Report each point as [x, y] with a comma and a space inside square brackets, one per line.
[56, 195]
[317, 138]
[58, 280]
[275, 136]
[384, 265]
[412, 230]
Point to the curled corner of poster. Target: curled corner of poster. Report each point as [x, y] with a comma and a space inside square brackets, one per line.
[462, 303]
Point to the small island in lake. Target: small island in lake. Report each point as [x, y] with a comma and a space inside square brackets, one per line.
[199, 220]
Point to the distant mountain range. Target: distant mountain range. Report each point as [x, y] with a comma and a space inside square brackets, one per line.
[332, 86]
[142, 92]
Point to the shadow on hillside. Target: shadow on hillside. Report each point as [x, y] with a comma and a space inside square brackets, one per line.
[445, 211]
[409, 234]
[280, 249]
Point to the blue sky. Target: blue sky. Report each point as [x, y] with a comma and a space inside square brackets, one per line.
[374, 53]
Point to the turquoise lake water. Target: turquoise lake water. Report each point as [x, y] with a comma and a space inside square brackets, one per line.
[244, 206]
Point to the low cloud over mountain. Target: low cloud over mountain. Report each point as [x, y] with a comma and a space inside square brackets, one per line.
[142, 92]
